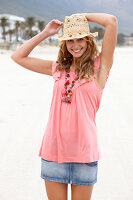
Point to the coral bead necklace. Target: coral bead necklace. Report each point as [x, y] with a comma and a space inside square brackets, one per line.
[67, 96]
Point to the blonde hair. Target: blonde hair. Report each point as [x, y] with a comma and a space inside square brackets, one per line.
[85, 64]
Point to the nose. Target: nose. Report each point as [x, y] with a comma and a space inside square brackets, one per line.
[75, 44]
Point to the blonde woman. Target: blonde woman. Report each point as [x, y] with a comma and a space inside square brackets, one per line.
[69, 151]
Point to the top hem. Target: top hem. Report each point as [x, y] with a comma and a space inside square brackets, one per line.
[70, 159]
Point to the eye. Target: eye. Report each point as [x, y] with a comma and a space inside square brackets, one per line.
[70, 40]
[80, 39]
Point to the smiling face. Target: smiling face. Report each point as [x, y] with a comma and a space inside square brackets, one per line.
[76, 46]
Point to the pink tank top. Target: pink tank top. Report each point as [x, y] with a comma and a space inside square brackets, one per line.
[71, 132]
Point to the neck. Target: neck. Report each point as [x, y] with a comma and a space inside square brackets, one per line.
[74, 61]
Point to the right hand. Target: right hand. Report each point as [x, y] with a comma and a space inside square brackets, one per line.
[53, 27]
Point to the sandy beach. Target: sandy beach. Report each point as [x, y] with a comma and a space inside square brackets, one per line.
[25, 98]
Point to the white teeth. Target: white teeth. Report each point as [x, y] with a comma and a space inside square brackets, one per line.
[76, 51]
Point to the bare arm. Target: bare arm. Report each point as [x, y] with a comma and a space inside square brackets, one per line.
[110, 36]
[21, 57]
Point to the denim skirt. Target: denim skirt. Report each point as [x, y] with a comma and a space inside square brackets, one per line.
[69, 172]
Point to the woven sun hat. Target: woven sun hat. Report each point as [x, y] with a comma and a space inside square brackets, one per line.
[76, 26]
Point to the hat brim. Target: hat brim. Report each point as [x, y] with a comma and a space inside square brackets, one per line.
[64, 37]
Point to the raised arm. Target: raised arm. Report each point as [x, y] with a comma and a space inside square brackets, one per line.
[110, 36]
[21, 57]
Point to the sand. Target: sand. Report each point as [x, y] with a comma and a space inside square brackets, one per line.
[25, 98]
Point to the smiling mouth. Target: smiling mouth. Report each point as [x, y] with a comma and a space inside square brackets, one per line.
[77, 51]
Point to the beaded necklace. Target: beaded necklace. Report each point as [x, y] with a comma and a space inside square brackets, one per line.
[67, 96]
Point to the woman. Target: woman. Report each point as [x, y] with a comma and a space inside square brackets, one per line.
[69, 151]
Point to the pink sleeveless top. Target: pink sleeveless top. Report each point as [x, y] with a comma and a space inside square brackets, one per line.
[71, 132]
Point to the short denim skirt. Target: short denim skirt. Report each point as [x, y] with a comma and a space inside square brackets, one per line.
[69, 172]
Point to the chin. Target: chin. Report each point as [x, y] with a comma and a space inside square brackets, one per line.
[76, 55]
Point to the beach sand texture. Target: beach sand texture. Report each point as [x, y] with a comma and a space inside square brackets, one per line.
[25, 98]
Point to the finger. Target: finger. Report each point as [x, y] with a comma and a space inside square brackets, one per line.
[58, 22]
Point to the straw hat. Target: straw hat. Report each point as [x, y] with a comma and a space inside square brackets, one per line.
[76, 26]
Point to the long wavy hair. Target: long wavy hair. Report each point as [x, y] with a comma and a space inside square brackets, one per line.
[84, 64]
